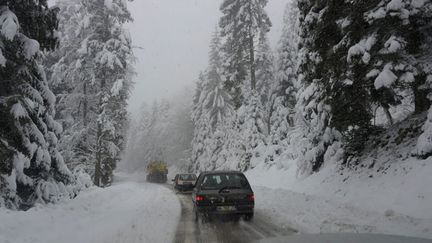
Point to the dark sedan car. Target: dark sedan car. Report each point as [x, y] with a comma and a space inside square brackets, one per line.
[223, 192]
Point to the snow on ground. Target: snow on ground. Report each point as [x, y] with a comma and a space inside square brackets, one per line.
[388, 190]
[314, 214]
[397, 202]
[129, 211]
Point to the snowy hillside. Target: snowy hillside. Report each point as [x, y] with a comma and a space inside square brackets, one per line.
[389, 192]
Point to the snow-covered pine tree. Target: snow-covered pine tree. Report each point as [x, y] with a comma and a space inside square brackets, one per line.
[395, 28]
[265, 75]
[356, 56]
[200, 149]
[31, 168]
[252, 131]
[242, 23]
[201, 125]
[110, 47]
[283, 91]
[383, 42]
[317, 68]
[71, 75]
[423, 19]
[216, 100]
[206, 117]
[197, 110]
[214, 106]
[256, 110]
[345, 91]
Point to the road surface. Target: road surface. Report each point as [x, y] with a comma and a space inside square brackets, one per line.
[221, 230]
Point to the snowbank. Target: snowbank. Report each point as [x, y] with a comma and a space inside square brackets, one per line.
[398, 201]
[128, 211]
[385, 190]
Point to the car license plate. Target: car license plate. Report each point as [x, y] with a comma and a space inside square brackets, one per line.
[226, 208]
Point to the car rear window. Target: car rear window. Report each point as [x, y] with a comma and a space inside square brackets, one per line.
[190, 177]
[219, 181]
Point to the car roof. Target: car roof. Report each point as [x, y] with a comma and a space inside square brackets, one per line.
[221, 172]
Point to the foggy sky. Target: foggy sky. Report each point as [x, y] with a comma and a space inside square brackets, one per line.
[175, 37]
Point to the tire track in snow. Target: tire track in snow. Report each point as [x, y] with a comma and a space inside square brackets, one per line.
[220, 231]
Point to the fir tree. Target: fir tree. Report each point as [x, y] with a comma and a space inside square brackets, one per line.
[382, 41]
[355, 57]
[252, 130]
[71, 76]
[283, 91]
[265, 75]
[109, 47]
[423, 19]
[216, 101]
[31, 168]
[317, 69]
[212, 107]
[201, 126]
[242, 23]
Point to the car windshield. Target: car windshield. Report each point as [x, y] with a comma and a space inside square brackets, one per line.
[220, 181]
[187, 177]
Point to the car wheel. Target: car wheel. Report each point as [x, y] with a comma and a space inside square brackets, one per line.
[248, 216]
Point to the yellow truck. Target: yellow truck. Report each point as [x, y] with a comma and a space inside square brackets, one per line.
[157, 172]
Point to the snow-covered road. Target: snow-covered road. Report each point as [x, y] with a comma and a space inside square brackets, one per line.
[129, 211]
[133, 211]
[225, 231]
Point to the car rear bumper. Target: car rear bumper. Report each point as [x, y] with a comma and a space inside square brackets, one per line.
[239, 209]
[187, 187]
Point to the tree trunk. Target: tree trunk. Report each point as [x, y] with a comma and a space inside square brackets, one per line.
[85, 105]
[97, 175]
[421, 100]
[270, 114]
[251, 53]
[99, 137]
[252, 63]
[388, 114]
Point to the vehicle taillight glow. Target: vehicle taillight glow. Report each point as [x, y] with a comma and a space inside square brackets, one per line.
[251, 197]
[199, 198]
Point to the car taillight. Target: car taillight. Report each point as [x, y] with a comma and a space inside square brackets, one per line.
[199, 198]
[251, 197]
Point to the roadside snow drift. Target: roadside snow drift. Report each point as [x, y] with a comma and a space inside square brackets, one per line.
[125, 212]
[398, 202]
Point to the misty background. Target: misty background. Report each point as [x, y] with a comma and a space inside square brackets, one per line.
[171, 40]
